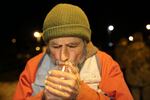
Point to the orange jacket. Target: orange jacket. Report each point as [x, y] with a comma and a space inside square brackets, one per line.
[112, 82]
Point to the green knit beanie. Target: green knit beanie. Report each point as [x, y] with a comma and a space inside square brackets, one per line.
[66, 20]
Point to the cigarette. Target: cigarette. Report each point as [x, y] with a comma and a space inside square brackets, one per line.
[63, 68]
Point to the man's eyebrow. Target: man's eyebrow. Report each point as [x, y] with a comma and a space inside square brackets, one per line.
[74, 43]
[53, 43]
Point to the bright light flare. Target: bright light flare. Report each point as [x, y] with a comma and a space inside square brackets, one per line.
[148, 26]
[37, 35]
[131, 38]
[110, 28]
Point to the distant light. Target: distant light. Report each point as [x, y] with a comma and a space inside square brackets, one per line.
[131, 38]
[110, 44]
[37, 34]
[110, 28]
[28, 55]
[37, 48]
[148, 26]
[13, 40]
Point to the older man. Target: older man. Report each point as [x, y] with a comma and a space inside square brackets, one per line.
[72, 67]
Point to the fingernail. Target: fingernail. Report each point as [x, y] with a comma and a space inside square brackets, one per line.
[49, 72]
[70, 71]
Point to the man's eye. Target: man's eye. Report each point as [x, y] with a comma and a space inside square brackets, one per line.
[56, 46]
[72, 46]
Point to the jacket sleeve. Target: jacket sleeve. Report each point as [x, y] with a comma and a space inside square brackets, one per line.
[86, 93]
[113, 83]
[24, 89]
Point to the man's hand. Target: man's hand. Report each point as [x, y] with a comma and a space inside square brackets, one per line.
[62, 85]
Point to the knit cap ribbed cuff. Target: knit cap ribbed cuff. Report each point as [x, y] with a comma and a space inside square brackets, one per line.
[66, 31]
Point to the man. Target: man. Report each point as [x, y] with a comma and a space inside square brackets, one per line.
[72, 67]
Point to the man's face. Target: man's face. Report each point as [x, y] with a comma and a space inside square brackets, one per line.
[67, 49]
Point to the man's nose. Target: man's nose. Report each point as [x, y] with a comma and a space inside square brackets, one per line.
[64, 55]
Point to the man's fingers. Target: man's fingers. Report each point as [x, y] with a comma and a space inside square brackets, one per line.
[67, 83]
[58, 87]
[57, 92]
[60, 74]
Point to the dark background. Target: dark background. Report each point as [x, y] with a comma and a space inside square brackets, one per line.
[20, 19]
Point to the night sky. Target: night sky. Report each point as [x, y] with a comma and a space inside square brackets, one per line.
[20, 19]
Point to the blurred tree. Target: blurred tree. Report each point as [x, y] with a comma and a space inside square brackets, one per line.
[135, 58]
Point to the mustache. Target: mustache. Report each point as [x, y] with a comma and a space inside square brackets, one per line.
[67, 66]
[64, 63]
